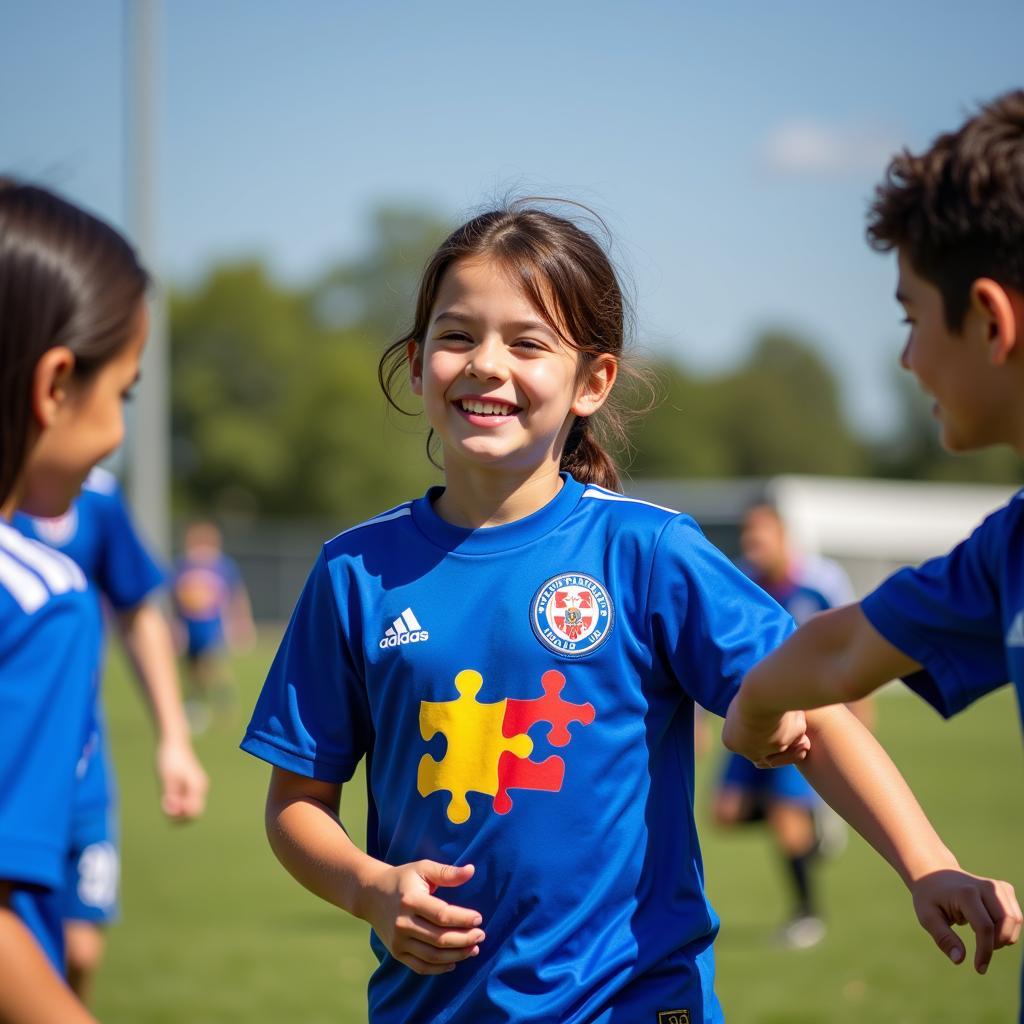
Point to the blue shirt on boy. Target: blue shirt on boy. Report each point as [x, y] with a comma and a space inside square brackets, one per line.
[50, 635]
[962, 617]
[524, 698]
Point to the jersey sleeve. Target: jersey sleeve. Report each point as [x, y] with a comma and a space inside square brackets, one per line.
[126, 572]
[42, 733]
[946, 615]
[709, 621]
[312, 716]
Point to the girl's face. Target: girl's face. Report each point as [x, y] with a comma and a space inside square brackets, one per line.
[80, 422]
[499, 387]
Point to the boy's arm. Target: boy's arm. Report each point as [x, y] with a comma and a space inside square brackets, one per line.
[425, 933]
[30, 989]
[849, 768]
[147, 640]
[834, 658]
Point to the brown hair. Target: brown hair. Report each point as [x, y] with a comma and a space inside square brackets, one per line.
[569, 279]
[66, 278]
[957, 210]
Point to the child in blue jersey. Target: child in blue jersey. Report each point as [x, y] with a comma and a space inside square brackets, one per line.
[782, 797]
[97, 532]
[213, 609]
[954, 627]
[72, 327]
[517, 655]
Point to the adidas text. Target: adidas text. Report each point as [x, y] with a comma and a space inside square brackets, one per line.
[406, 638]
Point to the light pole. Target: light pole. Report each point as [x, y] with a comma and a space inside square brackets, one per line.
[149, 445]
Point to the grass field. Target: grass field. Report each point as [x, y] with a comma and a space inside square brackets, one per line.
[213, 929]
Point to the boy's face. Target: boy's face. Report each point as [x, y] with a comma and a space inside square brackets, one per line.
[974, 400]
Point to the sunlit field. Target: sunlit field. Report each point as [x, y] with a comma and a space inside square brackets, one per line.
[213, 929]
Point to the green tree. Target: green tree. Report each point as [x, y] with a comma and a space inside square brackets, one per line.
[777, 413]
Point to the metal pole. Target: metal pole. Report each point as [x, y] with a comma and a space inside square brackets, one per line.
[149, 443]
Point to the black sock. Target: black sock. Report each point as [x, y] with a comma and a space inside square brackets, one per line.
[800, 871]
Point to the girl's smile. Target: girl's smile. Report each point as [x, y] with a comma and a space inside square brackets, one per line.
[499, 385]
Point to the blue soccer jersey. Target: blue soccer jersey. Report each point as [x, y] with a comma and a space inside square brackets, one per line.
[202, 594]
[524, 696]
[98, 534]
[50, 635]
[961, 617]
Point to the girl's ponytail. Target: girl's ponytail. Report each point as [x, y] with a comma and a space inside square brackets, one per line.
[586, 460]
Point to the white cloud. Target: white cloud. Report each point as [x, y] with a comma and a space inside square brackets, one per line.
[813, 148]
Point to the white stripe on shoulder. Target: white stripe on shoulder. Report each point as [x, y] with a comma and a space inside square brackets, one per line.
[593, 491]
[385, 517]
[22, 584]
[59, 572]
[100, 480]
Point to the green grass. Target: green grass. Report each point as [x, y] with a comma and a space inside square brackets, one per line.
[214, 931]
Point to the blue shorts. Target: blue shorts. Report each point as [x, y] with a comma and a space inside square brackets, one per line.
[785, 783]
[204, 637]
[93, 867]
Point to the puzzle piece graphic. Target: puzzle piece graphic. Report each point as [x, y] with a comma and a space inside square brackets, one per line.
[516, 773]
[520, 715]
[475, 745]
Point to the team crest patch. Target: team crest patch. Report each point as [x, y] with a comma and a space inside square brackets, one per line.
[572, 614]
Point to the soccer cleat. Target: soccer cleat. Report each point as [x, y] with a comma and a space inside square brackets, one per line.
[802, 932]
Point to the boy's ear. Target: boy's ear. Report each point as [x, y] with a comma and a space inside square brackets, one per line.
[597, 385]
[415, 360]
[1002, 314]
[51, 383]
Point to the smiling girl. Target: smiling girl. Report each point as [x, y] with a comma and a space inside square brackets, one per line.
[517, 655]
[72, 326]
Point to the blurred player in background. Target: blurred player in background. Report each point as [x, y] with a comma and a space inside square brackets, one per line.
[802, 824]
[98, 533]
[215, 614]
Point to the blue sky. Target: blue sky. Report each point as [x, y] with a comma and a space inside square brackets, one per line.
[731, 146]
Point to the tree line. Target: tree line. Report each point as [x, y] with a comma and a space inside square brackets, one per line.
[276, 411]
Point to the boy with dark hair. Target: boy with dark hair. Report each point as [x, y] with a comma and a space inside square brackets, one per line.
[954, 627]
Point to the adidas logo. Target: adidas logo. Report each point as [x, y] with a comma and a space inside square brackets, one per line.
[404, 630]
[1015, 634]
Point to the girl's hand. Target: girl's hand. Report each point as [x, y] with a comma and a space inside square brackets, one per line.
[948, 897]
[425, 933]
[183, 783]
[767, 740]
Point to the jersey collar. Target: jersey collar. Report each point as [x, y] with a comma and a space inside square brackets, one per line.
[495, 538]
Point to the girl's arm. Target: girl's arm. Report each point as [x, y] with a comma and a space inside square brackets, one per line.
[150, 648]
[31, 991]
[425, 933]
[849, 768]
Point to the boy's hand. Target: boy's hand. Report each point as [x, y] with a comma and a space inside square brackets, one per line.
[948, 897]
[425, 933]
[768, 740]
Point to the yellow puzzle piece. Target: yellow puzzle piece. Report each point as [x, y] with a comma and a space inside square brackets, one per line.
[475, 743]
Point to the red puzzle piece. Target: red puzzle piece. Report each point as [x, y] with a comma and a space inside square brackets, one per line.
[520, 715]
[520, 773]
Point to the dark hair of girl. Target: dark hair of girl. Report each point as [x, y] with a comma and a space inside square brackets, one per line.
[570, 281]
[66, 278]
